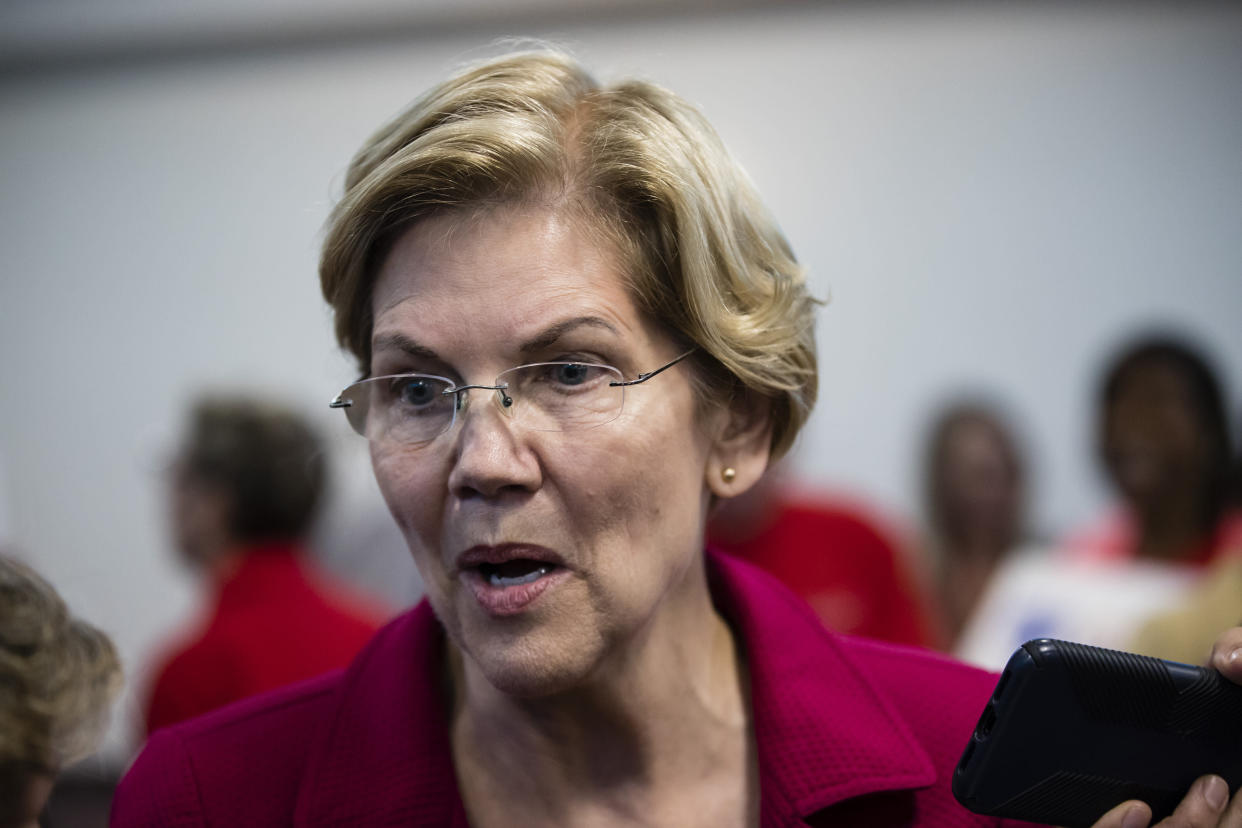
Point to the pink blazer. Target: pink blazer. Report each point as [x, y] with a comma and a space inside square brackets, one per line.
[849, 732]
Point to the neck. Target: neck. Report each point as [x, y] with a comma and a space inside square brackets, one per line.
[1171, 534]
[979, 544]
[1172, 526]
[220, 564]
[659, 734]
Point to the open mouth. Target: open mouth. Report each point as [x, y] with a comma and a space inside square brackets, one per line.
[515, 572]
[506, 579]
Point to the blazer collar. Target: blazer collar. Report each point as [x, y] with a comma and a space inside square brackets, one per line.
[824, 732]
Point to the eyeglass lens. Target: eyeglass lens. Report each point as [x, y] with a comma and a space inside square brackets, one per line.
[549, 396]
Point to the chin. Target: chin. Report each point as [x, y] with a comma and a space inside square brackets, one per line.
[518, 682]
[532, 664]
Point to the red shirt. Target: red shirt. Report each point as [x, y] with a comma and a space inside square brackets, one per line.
[848, 732]
[840, 564]
[274, 622]
[1115, 539]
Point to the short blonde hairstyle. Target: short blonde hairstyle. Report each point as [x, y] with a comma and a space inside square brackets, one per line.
[640, 165]
[58, 676]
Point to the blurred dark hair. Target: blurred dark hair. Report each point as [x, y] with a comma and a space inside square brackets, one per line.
[1206, 401]
[265, 458]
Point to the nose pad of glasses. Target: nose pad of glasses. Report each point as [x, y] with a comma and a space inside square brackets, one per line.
[503, 400]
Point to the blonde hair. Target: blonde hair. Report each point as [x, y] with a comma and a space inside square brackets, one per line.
[638, 164]
[58, 675]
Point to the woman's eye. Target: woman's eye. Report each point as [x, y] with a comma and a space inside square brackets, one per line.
[415, 391]
[572, 373]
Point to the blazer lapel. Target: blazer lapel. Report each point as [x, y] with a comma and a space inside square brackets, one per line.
[825, 732]
[384, 758]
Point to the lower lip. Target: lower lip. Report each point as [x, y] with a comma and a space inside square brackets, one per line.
[510, 600]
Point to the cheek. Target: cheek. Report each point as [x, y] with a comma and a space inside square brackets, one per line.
[644, 489]
[408, 485]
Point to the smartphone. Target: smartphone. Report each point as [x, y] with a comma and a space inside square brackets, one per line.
[1072, 731]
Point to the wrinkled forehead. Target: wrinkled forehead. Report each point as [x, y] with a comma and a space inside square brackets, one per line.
[479, 278]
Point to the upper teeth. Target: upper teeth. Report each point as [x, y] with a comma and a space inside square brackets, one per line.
[499, 580]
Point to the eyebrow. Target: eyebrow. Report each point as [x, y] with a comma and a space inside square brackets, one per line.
[400, 342]
[550, 335]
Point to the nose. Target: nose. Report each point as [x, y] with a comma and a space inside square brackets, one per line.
[490, 457]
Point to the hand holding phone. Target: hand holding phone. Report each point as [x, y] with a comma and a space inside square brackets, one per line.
[1073, 731]
[1201, 807]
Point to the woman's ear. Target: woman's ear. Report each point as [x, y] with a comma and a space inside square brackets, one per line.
[740, 453]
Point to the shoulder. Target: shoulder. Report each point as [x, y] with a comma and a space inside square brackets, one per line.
[249, 763]
[237, 766]
[937, 701]
[938, 697]
[767, 615]
[849, 730]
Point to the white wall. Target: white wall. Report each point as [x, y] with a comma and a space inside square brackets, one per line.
[993, 196]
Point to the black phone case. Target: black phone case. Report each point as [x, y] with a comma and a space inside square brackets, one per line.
[1073, 730]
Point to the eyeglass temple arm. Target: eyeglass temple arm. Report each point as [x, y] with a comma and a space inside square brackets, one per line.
[650, 374]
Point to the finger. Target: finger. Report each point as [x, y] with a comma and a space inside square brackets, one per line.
[1203, 805]
[1233, 814]
[1227, 654]
[1132, 814]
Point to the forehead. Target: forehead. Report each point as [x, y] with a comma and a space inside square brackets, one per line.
[505, 274]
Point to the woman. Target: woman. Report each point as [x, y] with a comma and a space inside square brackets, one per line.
[579, 661]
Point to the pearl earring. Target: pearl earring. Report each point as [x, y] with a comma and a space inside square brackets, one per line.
[728, 473]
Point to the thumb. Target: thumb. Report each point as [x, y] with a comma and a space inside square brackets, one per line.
[1227, 654]
[1132, 814]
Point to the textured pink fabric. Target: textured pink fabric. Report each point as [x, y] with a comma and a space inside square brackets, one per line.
[849, 733]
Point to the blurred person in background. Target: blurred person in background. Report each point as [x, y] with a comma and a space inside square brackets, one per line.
[244, 489]
[1183, 632]
[1163, 441]
[1164, 445]
[831, 553]
[974, 495]
[1235, 482]
[58, 677]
